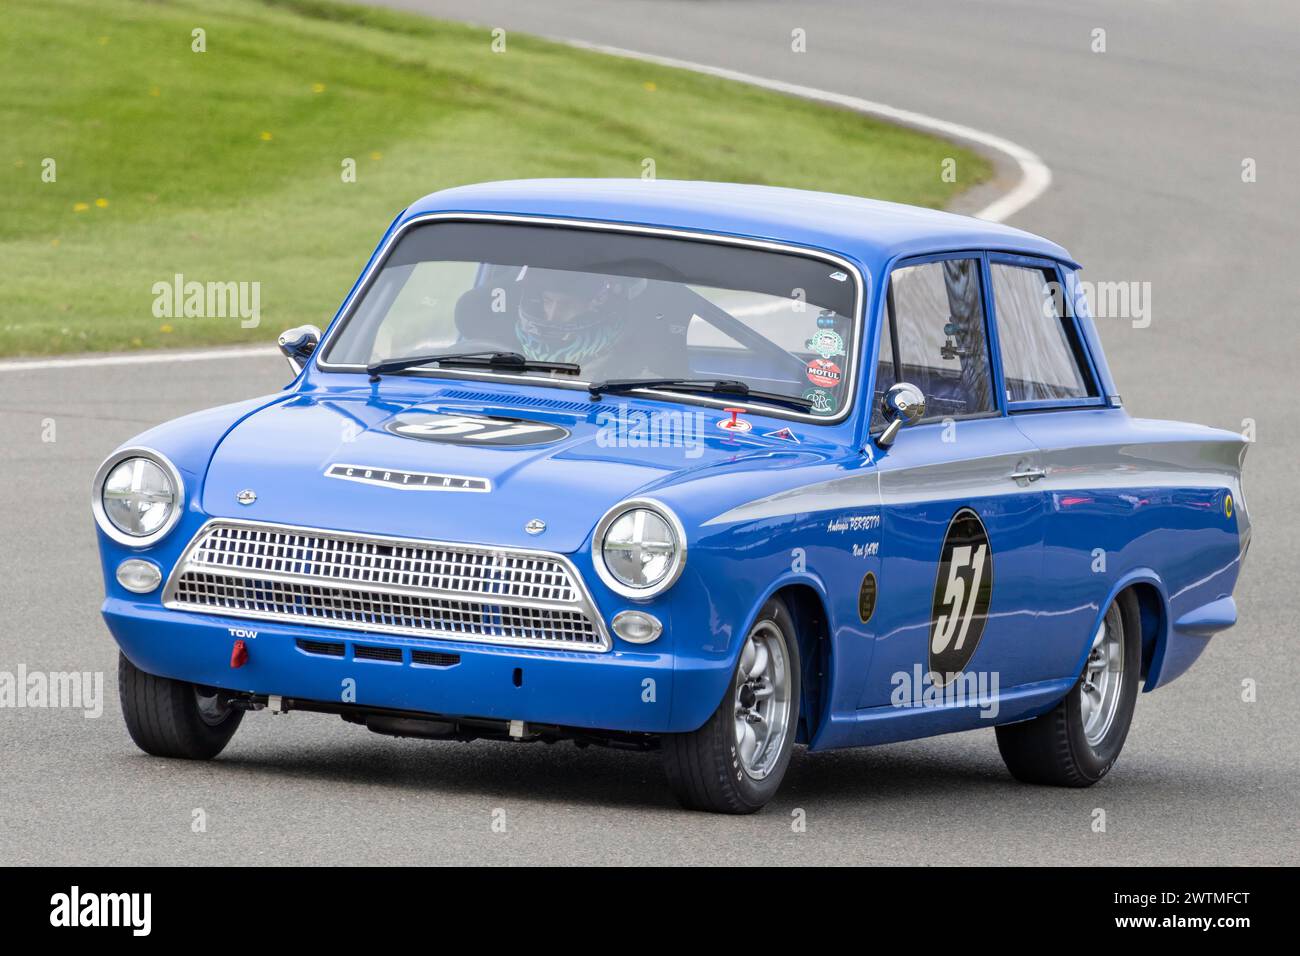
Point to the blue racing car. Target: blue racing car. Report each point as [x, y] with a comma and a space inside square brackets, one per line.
[709, 469]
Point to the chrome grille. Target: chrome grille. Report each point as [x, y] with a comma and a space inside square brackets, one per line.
[387, 585]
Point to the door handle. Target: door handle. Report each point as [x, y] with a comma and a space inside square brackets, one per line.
[1028, 474]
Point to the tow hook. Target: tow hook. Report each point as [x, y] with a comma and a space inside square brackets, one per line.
[239, 654]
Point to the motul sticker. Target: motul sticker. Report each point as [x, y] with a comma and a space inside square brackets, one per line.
[824, 372]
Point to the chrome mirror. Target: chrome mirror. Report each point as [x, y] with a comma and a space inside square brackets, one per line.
[298, 345]
[904, 405]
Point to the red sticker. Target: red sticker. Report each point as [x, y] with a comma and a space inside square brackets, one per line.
[824, 372]
[734, 425]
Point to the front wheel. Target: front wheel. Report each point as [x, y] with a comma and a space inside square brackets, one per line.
[736, 761]
[1077, 742]
[172, 718]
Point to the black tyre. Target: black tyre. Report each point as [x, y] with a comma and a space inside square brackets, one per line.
[736, 761]
[1077, 742]
[171, 718]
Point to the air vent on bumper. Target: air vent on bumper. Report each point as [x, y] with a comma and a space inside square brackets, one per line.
[323, 648]
[434, 658]
[366, 652]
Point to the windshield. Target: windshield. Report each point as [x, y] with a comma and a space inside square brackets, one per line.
[619, 305]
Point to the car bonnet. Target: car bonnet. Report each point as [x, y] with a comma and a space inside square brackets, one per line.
[457, 471]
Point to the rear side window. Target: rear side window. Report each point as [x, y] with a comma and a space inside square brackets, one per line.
[1042, 359]
[934, 338]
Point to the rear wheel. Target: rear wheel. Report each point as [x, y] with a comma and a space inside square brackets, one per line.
[736, 761]
[172, 718]
[1077, 742]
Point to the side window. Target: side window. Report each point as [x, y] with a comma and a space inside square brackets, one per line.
[1042, 359]
[935, 333]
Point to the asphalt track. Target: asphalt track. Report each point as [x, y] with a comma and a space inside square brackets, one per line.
[1145, 143]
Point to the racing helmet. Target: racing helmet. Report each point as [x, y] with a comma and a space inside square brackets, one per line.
[572, 316]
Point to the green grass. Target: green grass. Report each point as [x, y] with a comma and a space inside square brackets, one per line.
[225, 165]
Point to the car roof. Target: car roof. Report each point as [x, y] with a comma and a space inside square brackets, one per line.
[869, 230]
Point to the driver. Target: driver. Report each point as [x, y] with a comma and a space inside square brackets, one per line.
[576, 317]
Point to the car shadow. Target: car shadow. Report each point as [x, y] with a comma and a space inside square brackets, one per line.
[595, 776]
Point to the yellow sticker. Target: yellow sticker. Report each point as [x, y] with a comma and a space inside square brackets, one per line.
[1227, 506]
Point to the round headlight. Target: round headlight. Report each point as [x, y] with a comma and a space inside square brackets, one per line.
[641, 549]
[137, 497]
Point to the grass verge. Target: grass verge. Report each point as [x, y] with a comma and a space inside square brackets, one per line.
[129, 157]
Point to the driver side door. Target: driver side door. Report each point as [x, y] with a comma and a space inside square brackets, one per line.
[962, 536]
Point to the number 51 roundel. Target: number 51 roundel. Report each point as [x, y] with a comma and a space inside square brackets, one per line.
[963, 588]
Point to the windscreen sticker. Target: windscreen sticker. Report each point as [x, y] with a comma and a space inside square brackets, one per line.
[826, 343]
[822, 402]
[824, 372]
[963, 589]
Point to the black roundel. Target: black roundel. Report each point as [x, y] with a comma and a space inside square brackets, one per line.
[963, 588]
[474, 429]
[867, 597]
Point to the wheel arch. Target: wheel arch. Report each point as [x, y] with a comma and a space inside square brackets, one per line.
[812, 632]
[805, 597]
[1153, 614]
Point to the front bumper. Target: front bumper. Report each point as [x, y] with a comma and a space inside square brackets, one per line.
[618, 690]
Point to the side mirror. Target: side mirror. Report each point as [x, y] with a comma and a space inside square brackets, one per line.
[904, 405]
[298, 345]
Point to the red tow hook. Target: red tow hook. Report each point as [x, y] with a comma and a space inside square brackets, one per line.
[239, 654]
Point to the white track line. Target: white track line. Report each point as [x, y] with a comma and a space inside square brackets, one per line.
[141, 358]
[1035, 177]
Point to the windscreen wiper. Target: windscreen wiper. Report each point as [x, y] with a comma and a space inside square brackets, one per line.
[715, 386]
[497, 361]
